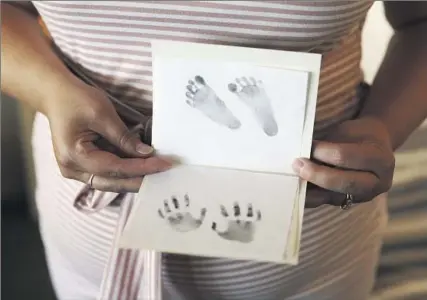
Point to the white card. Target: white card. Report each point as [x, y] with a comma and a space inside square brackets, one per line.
[198, 218]
[235, 118]
[229, 115]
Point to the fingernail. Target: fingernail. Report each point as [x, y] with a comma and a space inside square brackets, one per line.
[168, 161]
[297, 165]
[164, 165]
[144, 149]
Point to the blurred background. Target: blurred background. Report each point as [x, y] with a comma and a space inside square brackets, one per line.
[403, 268]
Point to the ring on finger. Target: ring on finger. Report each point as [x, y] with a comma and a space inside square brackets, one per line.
[348, 202]
[90, 181]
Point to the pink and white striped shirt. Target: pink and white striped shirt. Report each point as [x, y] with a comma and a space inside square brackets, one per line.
[110, 40]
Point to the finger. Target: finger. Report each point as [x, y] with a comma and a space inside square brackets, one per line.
[187, 200]
[175, 202]
[349, 156]
[202, 214]
[309, 203]
[111, 184]
[224, 211]
[317, 196]
[115, 131]
[92, 160]
[105, 145]
[341, 181]
[236, 208]
[258, 215]
[250, 211]
[245, 80]
[311, 199]
[166, 205]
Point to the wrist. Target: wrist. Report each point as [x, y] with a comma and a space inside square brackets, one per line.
[60, 86]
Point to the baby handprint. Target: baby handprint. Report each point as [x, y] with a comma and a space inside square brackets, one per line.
[178, 215]
[240, 226]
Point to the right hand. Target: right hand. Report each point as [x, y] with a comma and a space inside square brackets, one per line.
[79, 116]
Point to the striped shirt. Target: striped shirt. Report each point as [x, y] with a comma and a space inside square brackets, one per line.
[110, 40]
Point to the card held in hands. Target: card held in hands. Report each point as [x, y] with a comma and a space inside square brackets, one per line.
[234, 119]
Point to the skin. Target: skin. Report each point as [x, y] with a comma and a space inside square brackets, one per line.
[356, 157]
[79, 115]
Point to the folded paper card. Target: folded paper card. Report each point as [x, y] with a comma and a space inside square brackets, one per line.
[235, 118]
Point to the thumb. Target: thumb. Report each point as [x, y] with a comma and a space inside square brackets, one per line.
[115, 131]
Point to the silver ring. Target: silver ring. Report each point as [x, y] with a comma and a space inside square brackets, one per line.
[90, 181]
[348, 202]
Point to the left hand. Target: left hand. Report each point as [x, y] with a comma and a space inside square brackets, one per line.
[355, 158]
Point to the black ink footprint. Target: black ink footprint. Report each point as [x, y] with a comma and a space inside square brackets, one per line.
[202, 97]
[252, 93]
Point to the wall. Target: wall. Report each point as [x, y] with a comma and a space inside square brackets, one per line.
[376, 34]
[13, 178]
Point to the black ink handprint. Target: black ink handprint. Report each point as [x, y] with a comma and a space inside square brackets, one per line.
[240, 227]
[178, 215]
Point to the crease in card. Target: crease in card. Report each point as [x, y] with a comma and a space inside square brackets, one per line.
[235, 119]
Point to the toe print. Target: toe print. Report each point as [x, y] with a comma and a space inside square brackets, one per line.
[176, 212]
[203, 98]
[251, 92]
[241, 225]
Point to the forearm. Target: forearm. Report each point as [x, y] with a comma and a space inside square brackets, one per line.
[398, 96]
[30, 71]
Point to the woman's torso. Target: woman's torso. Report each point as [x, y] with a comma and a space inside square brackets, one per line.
[111, 41]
